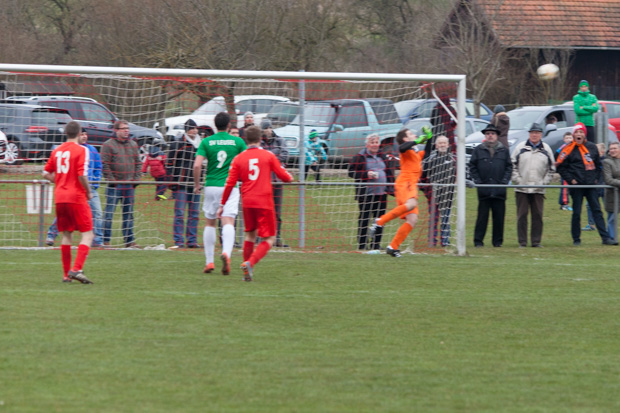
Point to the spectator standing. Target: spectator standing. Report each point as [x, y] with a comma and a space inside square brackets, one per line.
[579, 164]
[501, 121]
[180, 165]
[585, 105]
[121, 162]
[371, 166]
[254, 168]
[490, 164]
[611, 174]
[94, 177]
[406, 189]
[440, 168]
[218, 150]
[315, 154]
[248, 120]
[600, 193]
[67, 167]
[275, 144]
[155, 162]
[532, 164]
[564, 199]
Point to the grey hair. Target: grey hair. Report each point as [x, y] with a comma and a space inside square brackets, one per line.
[372, 136]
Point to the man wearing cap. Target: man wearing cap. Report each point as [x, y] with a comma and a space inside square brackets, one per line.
[179, 165]
[490, 164]
[275, 144]
[586, 105]
[532, 164]
[579, 163]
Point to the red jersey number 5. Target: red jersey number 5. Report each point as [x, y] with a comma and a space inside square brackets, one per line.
[254, 171]
[62, 162]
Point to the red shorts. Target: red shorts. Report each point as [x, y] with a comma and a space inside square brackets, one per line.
[71, 217]
[261, 219]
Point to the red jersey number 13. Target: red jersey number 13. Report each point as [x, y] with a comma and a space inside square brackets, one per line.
[62, 162]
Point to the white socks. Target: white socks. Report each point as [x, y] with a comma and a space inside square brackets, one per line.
[228, 239]
[208, 237]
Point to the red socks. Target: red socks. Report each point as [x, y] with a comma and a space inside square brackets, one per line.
[248, 249]
[82, 253]
[65, 254]
[260, 252]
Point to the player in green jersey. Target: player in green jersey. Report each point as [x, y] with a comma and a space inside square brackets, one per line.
[218, 151]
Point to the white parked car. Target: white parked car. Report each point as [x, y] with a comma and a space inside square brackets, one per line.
[260, 105]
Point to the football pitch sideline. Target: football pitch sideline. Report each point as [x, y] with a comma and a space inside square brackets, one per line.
[501, 330]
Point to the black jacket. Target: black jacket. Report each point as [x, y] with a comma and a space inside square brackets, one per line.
[573, 167]
[180, 163]
[358, 171]
[488, 170]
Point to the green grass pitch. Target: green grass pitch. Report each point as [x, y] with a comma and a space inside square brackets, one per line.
[501, 330]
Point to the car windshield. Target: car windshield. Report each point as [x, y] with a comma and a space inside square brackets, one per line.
[523, 119]
[317, 115]
[212, 107]
[406, 106]
[415, 126]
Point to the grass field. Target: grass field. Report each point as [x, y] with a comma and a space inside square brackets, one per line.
[501, 330]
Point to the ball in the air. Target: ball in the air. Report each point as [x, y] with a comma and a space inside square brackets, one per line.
[548, 71]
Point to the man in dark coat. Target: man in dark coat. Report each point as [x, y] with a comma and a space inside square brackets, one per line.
[490, 164]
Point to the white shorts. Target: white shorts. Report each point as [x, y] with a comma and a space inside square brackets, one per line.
[212, 198]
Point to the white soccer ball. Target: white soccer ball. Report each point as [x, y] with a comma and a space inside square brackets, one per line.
[548, 71]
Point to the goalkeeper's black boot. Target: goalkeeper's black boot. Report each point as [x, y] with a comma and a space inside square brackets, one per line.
[394, 253]
[79, 276]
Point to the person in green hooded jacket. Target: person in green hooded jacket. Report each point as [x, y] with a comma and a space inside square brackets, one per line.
[586, 105]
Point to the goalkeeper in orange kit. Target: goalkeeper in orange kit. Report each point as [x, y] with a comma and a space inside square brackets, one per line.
[406, 187]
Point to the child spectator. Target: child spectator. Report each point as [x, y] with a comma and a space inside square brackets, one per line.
[156, 162]
[315, 153]
[564, 198]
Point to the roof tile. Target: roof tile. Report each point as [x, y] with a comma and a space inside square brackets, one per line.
[555, 23]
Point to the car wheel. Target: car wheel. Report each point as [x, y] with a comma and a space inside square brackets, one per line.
[144, 146]
[13, 153]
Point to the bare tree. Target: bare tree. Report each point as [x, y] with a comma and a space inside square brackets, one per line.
[469, 46]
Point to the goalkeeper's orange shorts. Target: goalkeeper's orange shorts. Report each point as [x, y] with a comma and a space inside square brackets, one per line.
[404, 191]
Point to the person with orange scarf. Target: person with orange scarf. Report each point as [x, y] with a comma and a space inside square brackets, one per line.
[579, 163]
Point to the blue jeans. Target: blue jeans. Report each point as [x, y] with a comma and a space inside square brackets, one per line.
[95, 207]
[186, 199]
[124, 193]
[611, 225]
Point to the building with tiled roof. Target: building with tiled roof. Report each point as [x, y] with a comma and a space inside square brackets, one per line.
[588, 30]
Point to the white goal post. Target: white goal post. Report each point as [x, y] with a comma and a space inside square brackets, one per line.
[301, 79]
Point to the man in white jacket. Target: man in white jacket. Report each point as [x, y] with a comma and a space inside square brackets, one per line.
[533, 164]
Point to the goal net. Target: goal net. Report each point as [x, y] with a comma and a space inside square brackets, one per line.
[318, 123]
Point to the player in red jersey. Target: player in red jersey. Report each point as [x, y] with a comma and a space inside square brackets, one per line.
[253, 168]
[67, 167]
[406, 188]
